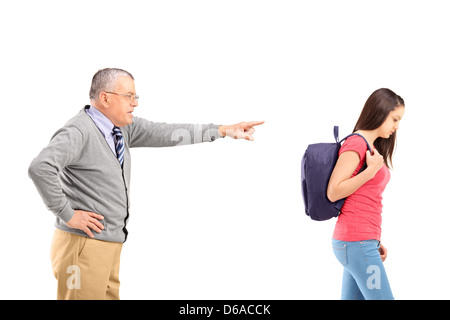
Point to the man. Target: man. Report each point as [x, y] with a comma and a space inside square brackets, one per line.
[83, 176]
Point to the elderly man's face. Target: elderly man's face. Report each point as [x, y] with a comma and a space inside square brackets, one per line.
[120, 107]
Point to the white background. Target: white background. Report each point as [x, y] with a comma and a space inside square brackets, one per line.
[225, 220]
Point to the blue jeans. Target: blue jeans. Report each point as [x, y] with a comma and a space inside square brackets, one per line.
[364, 274]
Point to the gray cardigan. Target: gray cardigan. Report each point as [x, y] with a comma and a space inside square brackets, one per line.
[79, 171]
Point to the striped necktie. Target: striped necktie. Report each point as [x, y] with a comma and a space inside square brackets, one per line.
[120, 147]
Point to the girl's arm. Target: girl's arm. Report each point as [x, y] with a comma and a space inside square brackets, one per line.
[341, 183]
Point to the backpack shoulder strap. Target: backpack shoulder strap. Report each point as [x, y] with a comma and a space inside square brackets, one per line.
[357, 134]
[336, 135]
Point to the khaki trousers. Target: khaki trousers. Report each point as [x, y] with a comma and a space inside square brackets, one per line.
[86, 269]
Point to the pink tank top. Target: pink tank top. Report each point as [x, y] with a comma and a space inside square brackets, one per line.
[360, 217]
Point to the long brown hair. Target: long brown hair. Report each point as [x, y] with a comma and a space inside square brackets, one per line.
[377, 108]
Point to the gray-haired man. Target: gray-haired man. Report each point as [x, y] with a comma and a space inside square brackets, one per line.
[83, 176]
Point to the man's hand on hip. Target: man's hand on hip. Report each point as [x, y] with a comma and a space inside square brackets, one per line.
[85, 220]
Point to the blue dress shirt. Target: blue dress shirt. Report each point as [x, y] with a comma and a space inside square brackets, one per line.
[104, 125]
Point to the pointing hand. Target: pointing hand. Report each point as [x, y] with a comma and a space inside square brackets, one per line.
[242, 130]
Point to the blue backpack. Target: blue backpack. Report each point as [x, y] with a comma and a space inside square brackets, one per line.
[317, 165]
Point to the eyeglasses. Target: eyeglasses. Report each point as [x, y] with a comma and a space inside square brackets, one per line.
[129, 96]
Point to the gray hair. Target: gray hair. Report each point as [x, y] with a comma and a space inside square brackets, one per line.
[105, 80]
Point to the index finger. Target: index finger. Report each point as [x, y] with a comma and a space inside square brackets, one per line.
[253, 123]
[95, 215]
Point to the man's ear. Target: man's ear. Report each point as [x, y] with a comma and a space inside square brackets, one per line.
[103, 99]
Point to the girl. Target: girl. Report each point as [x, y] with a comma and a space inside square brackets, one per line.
[356, 237]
